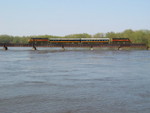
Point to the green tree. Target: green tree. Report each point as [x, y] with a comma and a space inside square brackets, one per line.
[84, 35]
[111, 35]
[99, 35]
[6, 39]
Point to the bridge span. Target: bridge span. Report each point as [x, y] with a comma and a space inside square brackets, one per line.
[91, 46]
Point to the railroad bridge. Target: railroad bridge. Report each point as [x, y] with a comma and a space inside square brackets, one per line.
[91, 46]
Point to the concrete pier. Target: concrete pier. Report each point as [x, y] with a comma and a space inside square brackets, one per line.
[34, 47]
[5, 47]
[63, 48]
[119, 48]
[91, 48]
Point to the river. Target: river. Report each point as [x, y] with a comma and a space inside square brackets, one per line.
[74, 81]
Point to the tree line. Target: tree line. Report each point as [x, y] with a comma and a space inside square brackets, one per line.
[136, 36]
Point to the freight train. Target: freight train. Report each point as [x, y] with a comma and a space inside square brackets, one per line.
[79, 41]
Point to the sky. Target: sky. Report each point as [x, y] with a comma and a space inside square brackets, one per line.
[64, 17]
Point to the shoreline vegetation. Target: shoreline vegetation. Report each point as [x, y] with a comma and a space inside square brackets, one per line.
[138, 36]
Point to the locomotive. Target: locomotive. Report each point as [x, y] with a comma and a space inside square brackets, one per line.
[42, 41]
[120, 41]
[38, 41]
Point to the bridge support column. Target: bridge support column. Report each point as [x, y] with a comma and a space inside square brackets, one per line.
[119, 48]
[63, 48]
[92, 48]
[5, 47]
[34, 47]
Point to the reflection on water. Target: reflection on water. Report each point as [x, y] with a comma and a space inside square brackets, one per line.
[74, 81]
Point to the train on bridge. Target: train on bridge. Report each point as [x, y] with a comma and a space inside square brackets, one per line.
[43, 41]
[77, 42]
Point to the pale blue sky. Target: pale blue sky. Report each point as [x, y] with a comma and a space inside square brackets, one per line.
[64, 17]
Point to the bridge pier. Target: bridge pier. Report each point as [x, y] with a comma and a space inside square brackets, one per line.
[63, 48]
[34, 47]
[119, 48]
[5, 47]
[91, 48]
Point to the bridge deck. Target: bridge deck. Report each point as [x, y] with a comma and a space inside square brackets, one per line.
[118, 46]
[75, 45]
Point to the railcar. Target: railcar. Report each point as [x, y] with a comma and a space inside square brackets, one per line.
[95, 40]
[38, 41]
[42, 41]
[65, 40]
[120, 41]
